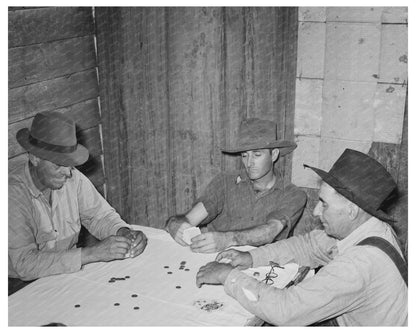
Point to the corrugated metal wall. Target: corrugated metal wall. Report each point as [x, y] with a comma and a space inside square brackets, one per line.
[52, 66]
[174, 85]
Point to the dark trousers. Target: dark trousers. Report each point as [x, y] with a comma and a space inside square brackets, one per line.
[17, 284]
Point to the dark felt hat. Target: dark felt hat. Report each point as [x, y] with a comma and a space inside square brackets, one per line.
[362, 180]
[257, 133]
[52, 137]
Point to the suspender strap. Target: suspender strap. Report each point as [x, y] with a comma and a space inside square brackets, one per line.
[391, 251]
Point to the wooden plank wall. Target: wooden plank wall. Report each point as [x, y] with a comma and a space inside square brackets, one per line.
[174, 85]
[395, 158]
[52, 66]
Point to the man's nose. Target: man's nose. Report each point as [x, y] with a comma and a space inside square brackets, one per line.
[66, 171]
[318, 209]
[250, 160]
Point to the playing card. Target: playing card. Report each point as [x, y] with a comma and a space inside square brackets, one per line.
[189, 233]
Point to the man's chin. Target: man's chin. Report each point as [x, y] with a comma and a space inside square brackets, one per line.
[58, 186]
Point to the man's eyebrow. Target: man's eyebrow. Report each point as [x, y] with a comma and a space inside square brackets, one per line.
[322, 200]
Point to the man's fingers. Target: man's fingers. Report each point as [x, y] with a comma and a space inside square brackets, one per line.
[208, 248]
[138, 249]
[198, 282]
[226, 256]
[180, 241]
[198, 238]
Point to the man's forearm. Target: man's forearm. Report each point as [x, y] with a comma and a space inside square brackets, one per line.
[263, 234]
[34, 264]
[87, 256]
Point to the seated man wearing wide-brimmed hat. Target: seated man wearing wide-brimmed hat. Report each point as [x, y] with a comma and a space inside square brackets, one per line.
[49, 200]
[245, 207]
[363, 279]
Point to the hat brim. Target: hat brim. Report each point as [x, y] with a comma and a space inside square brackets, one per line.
[343, 190]
[285, 147]
[77, 157]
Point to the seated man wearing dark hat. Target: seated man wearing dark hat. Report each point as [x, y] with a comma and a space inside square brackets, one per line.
[49, 200]
[363, 281]
[245, 207]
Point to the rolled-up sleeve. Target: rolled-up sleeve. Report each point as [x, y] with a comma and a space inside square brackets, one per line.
[213, 197]
[313, 249]
[26, 261]
[328, 294]
[289, 208]
[95, 212]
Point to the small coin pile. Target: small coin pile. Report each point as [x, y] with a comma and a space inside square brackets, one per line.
[208, 306]
[114, 279]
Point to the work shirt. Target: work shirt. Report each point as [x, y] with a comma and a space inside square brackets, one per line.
[232, 204]
[42, 238]
[358, 284]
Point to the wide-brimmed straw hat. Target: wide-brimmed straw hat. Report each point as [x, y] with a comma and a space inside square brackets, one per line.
[257, 133]
[362, 180]
[52, 137]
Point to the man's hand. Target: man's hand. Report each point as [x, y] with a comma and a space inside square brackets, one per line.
[213, 273]
[211, 242]
[110, 248]
[239, 259]
[176, 225]
[137, 238]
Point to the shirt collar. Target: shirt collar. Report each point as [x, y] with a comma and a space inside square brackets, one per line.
[34, 191]
[369, 228]
[242, 177]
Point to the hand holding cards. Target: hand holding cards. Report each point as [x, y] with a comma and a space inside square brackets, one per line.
[190, 233]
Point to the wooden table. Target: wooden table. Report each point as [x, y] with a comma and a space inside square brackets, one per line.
[156, 288]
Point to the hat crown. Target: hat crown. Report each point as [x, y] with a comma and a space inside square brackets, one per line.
[362, 175]
[54, 128]
[255, 131]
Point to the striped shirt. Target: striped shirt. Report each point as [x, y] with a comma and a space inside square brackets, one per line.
[43, 237]
[232, 204]
[360, 285]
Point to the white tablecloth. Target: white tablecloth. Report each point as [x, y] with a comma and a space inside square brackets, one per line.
[87, 298]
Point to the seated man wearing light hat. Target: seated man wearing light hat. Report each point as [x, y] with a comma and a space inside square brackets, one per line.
[363, 281]
[249, 206]
[49, 200]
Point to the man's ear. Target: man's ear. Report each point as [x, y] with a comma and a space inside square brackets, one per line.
[34, 159]
[275, 154]
[353, 210]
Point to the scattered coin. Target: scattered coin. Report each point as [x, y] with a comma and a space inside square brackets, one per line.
[134, 295]
[77, 305]
[187, 269]
[169, 272]
[136, 308]
[116, 304]
[178, 287]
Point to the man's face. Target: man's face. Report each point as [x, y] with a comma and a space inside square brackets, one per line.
[51, 175]
[333, 211]
[258, 163]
